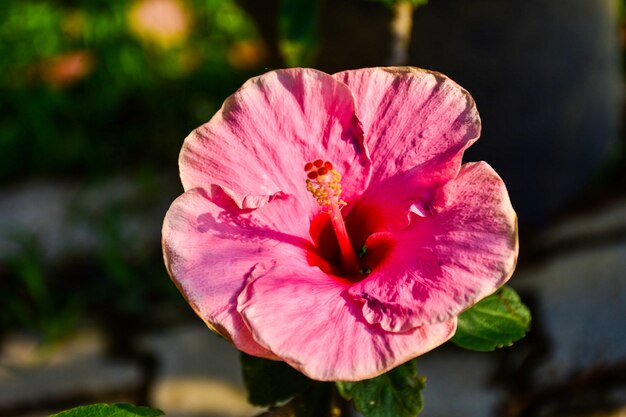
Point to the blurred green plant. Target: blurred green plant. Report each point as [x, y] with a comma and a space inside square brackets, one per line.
[297, 27]
[134, 274]
[90, 86]
[29, 302]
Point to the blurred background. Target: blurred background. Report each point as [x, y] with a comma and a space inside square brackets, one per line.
[96, 97]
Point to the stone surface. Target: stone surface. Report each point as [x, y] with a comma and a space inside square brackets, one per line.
[38, 212]
[457, 383]
[69, 218]
[198, 373]
[603, 222]
[32, 376]
[581, 305]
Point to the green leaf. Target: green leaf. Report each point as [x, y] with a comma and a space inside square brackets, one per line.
[110, 410]
[297, 30]
[270, 382]
[396, 393]
[495, 322]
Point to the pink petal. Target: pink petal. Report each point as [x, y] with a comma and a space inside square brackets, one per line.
[211, 247]
[447, 261]
[259, 141]
[412, 119]
[303, 316]
[416, 125]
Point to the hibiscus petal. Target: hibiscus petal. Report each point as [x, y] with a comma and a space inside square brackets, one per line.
[303, 316]
[413, 119]
[211, 247]
[445, 262]
[416, 124]
[259, 141]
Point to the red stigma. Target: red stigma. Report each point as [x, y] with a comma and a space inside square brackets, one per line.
[317, 168]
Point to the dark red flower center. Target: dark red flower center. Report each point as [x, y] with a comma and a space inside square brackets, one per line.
[349, 248]
[367, 238]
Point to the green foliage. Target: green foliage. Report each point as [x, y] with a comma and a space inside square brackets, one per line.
[396, 393]
[134, 98]
[494, 322]
[297, 24]
[27, 301]
[271, 382]
[110, 410]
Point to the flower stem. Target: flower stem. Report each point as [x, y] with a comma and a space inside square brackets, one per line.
[401, 25]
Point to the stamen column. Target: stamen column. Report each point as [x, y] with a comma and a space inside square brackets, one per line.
[323, 181]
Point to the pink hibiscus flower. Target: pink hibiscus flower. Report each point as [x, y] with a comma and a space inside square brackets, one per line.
[327, 220]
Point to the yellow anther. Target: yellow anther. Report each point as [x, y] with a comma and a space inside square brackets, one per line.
[325, 186]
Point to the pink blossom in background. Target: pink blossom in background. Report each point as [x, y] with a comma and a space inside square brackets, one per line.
[67, 69]
[164, 23]
[247, 54]
[327, 220]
